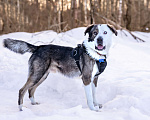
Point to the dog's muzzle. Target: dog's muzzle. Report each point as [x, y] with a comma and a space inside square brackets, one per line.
[100, 44]
[100, 47]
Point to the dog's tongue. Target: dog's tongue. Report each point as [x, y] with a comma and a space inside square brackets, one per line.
[100, 47]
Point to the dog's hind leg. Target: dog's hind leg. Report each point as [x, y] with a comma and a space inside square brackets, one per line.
[32, 90]
[37, 72]
[31, 95]
[22, 92]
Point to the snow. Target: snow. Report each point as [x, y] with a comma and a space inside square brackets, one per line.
[123, 89]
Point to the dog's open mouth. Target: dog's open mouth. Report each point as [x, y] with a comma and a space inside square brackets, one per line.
[100, 47]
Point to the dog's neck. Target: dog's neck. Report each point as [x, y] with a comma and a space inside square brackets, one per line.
[93, 53]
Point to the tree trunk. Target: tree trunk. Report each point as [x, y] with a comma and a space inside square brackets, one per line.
[55, 12]
[48, 8]
[59, 16]
[91, 13]
[128, 14]
[2, 16]
[36, 21]
[148, 14]
[103, 7]
[120, 12]
[73, 13]
[62, 9]
[81, 13]
[85, 11]
[112, 10]
[116, 11]
[142, 15]
[123, 13]
[99, 5]
[7, 16]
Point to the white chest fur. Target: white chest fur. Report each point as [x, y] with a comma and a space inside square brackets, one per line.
[90, 48]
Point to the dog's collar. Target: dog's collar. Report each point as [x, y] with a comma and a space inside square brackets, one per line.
[100, 54]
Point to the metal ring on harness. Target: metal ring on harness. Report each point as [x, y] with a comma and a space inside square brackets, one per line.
[74, 52]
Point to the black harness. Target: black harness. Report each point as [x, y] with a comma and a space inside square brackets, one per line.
[78, 51]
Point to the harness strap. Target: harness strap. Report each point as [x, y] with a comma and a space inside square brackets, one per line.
[76, 53]
[101, 66]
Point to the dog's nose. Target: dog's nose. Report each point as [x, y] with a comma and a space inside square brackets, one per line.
[100, 40]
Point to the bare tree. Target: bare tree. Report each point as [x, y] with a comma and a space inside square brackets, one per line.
[120, 11]
[92, 21]
[59, 16]
[62, 9]
[128, 14]
[73, 13]
[85, 11]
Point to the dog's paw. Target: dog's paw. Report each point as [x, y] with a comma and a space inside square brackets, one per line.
[99, 105]
[20, 107]
[35, 103]
[97, 109]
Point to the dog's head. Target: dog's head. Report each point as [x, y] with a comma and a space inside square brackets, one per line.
[100, 36]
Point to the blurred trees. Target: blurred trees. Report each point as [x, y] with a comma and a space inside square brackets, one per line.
[62, 15]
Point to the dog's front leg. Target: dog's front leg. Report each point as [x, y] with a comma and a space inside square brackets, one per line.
[94, 87]
[89, 96]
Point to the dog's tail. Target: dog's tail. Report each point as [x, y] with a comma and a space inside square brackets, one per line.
[19, 46]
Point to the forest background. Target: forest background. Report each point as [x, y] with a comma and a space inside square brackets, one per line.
[63, 15]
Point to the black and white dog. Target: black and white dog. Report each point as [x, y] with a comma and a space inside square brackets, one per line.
[49, 58]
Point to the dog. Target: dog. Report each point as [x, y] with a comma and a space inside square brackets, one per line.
[49, 58]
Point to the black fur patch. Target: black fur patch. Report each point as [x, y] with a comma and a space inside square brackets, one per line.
[91, 31]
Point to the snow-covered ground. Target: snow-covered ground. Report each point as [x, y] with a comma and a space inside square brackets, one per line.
[123, 89]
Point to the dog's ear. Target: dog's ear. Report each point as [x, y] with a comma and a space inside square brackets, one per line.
[113, 29]
[88, 29]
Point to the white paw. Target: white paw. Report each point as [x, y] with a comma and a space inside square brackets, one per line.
[33, 101]
[20, 107]
[94, 108]
[97, 109]
[100, 106]
[97, 104]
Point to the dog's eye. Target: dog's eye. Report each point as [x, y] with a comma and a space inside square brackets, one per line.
[105, 32]
[95, 33]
